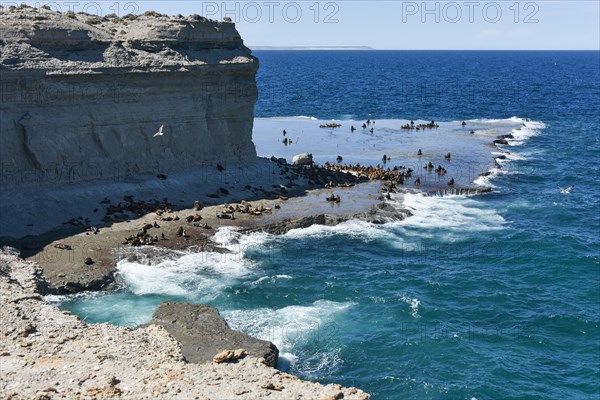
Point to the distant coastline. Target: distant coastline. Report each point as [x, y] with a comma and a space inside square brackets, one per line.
[311, 48]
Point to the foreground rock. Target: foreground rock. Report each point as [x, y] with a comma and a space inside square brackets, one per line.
[203, 333]
[46, 353]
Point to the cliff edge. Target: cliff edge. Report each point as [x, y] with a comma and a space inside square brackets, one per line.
[83, 96]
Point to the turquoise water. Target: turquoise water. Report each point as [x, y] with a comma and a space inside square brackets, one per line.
[488, 297]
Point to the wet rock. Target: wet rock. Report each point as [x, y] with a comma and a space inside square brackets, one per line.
[203, 333]
[303, 159]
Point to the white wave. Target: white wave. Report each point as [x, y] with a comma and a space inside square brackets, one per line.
[233, 240]
[448, 216]
[288, 118]
[353, 228]
[202, 274]
[414, 304]
[290, 326]
[58, 299]
[486, 181]
[270, 278]
[527, 130]
[306, 117]
[497, 121]
[514, 156]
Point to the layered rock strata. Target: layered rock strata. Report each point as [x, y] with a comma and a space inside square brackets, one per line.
[84, 96]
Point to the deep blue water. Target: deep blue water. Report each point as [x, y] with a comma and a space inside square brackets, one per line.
[488, 297]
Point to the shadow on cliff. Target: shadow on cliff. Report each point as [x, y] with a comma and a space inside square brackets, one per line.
[90, 53]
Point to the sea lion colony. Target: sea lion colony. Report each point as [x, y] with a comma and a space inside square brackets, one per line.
[327, 176]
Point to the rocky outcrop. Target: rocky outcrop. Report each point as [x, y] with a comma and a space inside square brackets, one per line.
[46, 353]
[380, 213]
[303, 159]
[203, 333]
[83, 96]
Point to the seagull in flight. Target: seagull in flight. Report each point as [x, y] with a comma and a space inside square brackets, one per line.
[160, 131]
[567, 190]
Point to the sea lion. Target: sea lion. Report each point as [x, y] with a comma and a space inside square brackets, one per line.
[220, 167]
[284, 132]
[451, 182]
[337, 199]
[464, 123]
[352, 128]
[197, 205]
[448, 156]
[179, 231]
[418, 181]
[161, 176]
[339, 159]
[225, 216]
[419, 153]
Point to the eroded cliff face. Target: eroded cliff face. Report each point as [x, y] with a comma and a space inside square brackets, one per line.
[83, 96]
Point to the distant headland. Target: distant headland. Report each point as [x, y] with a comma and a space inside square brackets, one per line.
[311, 48]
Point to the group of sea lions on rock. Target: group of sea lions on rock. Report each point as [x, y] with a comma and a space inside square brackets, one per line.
[142, 237]
[331, 184]
[370, 172]
[397, 174]
[244, 207]
[439, 170]
[411, 125]
[119, 212]
[332, 125]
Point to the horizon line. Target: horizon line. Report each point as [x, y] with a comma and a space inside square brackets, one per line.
[369, 48]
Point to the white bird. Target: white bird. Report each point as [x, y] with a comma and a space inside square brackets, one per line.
[567, 190]
[160, 131]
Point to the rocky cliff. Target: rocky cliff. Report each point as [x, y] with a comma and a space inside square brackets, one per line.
[83, 96]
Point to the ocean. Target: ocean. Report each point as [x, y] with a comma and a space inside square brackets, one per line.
[495, 296]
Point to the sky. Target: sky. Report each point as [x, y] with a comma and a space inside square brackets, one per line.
[410, 25]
